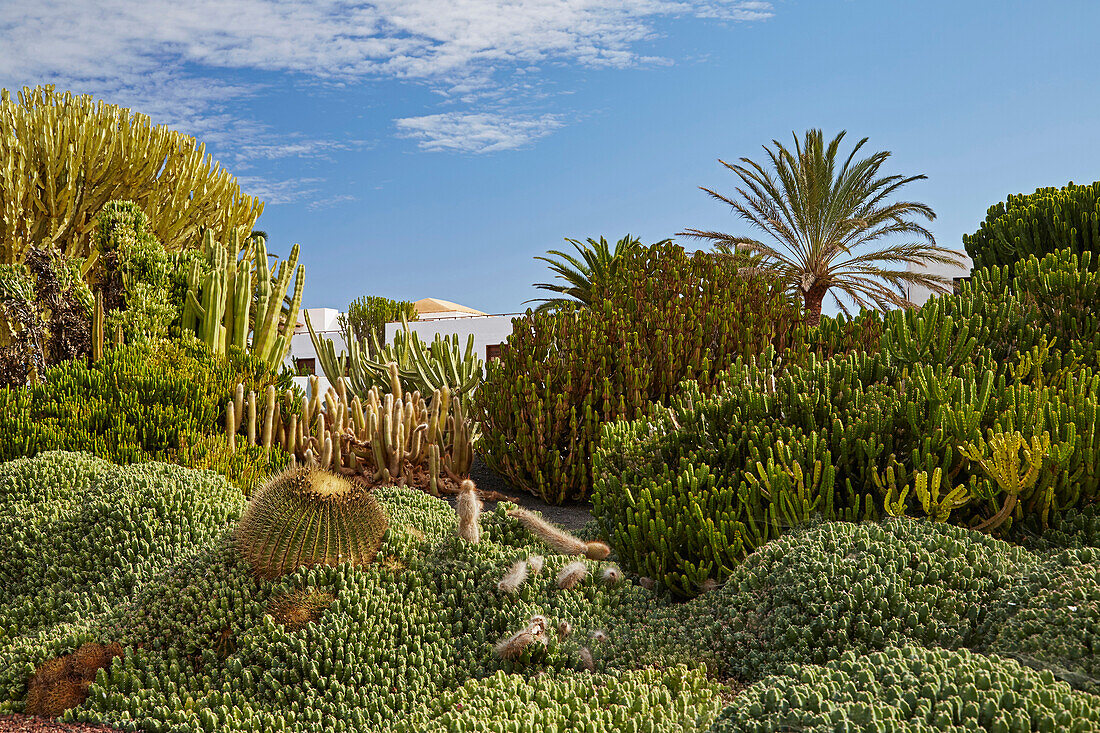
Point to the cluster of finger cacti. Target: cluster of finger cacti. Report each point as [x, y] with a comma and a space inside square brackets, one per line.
[424, 367]
[234, 299]
[393, 437]
[1037, 224]
[967, 411]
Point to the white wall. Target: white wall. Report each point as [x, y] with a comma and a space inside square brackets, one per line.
[486, 330]
[918, 294]
[325, 322]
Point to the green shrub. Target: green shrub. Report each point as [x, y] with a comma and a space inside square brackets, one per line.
[970, 413]
[45, 315]
[1036, 224]
[366, 317]
[670, 316]
[910, 689]
[132, 271]
[151, 401]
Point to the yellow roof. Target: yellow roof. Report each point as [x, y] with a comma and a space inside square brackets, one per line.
[435, 305]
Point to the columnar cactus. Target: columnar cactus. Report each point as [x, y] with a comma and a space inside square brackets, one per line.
[423, 367]
[394, 437]
[233, 298]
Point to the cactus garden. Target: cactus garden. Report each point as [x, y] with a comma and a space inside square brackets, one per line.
[877, 520]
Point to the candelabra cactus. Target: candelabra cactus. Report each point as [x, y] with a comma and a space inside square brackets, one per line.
[424, 367]
[68, 155]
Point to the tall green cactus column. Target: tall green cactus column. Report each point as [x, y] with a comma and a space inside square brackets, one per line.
[232, 295]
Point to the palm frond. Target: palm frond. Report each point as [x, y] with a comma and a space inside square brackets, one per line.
[833, 220]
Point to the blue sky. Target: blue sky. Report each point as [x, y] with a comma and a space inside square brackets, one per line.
[424, 148]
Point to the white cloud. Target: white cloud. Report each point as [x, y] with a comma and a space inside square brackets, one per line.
[161, 56]
[280, 191]
[475, 133]
[329, 201]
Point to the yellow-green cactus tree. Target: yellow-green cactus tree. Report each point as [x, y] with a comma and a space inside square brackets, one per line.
[64, 156]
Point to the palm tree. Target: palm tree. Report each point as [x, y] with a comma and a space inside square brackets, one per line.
[597, 264]
[824, 220]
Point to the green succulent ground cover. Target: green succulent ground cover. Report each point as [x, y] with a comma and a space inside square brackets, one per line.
[905, 625]
[158, 400]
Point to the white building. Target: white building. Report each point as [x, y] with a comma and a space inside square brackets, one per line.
[917, 294]
[434, 316]
[442, 317]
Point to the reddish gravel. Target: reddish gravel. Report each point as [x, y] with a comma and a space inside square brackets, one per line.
[31, 724]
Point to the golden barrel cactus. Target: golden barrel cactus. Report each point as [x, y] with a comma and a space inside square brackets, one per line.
[307, 516]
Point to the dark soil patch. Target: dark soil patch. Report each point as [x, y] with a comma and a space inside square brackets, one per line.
[571, 516]
[31, 724]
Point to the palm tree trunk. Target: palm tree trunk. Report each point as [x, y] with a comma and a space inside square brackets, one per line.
[812, 306]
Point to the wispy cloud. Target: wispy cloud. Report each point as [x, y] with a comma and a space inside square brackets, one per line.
[329, 201]
[475, 133]
[280, 191]
[170, 59]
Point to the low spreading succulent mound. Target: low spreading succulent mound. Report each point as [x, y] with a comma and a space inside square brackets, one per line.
[911, 690]
[308, 516]
[211, 646]
[820, 592]
[439, 633]
[657, 701]
[1054, 621]
[79, 536]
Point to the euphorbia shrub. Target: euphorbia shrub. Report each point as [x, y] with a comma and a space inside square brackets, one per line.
[671, 316]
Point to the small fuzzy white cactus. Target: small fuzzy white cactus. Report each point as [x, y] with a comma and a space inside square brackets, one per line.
[514, 646]
[564, 629]
[646, 583]
[468, 507]
[710, 584]
[611, 575]
[514, 578]
[558, 539]
[598, 636]
[571, 575]
[535, 563]
[586, 659]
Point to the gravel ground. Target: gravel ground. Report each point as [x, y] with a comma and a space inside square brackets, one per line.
[572, 516]
[31, 724]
